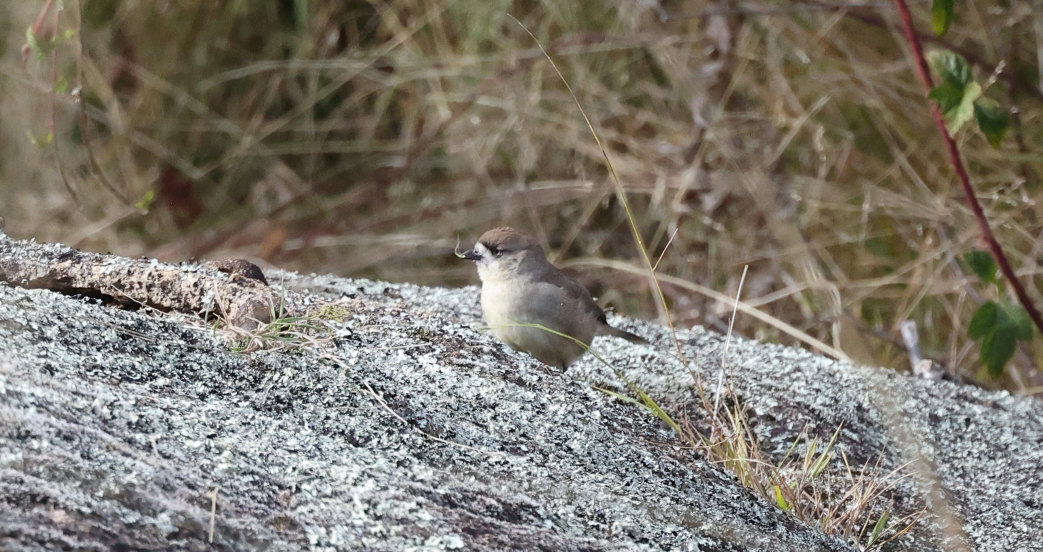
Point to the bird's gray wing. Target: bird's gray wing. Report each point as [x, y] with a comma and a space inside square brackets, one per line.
[571, 288]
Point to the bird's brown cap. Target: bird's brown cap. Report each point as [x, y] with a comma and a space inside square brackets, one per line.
[508, 239]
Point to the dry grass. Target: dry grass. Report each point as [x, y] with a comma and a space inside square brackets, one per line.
[362, 138]
[286, 331]
[852, 505]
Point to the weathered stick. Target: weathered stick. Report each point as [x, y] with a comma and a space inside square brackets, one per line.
[243, 299]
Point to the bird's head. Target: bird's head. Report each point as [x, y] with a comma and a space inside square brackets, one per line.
[503, 252]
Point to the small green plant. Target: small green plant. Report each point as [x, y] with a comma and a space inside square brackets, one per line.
[284, 332]
[960, 98]
[43, 46]
[999, 325]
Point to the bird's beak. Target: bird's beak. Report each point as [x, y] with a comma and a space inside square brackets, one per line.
[471, 255]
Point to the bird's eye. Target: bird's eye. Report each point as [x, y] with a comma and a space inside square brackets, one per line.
[495, 250]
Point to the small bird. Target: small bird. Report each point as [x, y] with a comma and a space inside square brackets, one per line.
[520, 286]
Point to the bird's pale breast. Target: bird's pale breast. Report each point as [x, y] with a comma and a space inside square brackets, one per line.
[527, 302]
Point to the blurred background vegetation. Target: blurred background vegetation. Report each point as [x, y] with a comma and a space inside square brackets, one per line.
[363, 138]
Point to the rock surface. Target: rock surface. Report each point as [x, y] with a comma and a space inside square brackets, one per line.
[398, 425]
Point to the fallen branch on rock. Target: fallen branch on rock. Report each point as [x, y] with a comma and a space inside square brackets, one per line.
[243, 298]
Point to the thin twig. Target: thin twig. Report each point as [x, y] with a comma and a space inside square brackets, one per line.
[53, 125]
[728, 340]
[911, 339]
[661, 255]
[77, 94]
[961, 171]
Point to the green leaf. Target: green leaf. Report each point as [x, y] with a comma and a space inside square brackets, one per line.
[780, 499]
[982, 264]
[965, 111]
[996, 349]
[992, 119]
[955, 103]
[941, 16]
[951, 67]
[619, 396]
[39, 48]
[1022, 323]
[32, 42]
[947, 96]
[1015, 319]
[983, 322]
[878, 528]
[146, 200]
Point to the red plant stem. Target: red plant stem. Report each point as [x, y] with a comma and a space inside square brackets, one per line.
[42, 17]
[961, 171]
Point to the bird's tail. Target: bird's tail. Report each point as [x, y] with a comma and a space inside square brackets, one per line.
[633, 338]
